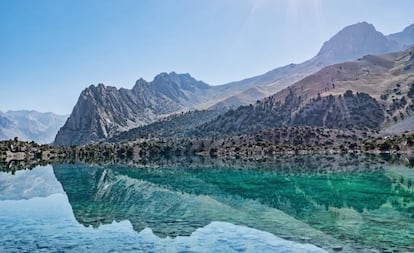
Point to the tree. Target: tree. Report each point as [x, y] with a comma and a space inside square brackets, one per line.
[385, 146]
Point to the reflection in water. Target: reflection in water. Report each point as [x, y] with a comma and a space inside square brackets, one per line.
[47, 225]
[351, 203]
[27, 184]
[101, 195]
[360, 209]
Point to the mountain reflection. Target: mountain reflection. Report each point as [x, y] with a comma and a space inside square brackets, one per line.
[177, 198]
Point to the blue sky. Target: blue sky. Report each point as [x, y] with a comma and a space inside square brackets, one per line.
[51, 50]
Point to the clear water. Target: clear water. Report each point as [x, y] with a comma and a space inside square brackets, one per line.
[294, 204]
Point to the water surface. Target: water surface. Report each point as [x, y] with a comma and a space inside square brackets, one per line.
[294, 204]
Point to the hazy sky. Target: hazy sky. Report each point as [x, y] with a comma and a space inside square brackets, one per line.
[51, 50]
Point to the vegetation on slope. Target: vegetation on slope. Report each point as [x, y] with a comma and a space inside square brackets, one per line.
[347, 111]
[177, 125]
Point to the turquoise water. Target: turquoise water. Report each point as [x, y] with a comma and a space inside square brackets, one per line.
[294, 204]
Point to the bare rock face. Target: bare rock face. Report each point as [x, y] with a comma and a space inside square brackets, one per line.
[102, 111]
[404, 38]
[355, 41]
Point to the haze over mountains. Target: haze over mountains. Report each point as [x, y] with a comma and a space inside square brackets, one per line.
[30, 125]
[103, 111]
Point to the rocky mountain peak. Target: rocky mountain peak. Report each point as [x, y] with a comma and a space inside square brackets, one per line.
[140, 81]
[165, 79]
[103, 111]
[409, 28]
[353, 41]
[99, 90]
[172, 77]
[140, 85]
[178, 82]
[404, 38]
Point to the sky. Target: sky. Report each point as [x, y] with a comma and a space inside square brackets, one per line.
[51, 50]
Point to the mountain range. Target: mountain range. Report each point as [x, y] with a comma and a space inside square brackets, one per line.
[404, 38]
[103, 111]
[30, 125]
[369, 93]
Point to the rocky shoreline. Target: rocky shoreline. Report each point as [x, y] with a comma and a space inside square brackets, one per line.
[19, 154]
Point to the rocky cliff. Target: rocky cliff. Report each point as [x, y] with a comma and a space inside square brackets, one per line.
[102, 111]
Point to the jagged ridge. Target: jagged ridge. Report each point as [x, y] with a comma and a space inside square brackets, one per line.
[102, 111]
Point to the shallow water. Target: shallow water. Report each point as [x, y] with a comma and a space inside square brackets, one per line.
[300, 204]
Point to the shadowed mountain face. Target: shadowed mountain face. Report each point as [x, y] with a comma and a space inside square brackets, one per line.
[103, 111]
[176, 200]
[178, 125]
[30, 125]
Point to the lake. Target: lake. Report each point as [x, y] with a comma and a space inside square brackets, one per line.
[283, 204]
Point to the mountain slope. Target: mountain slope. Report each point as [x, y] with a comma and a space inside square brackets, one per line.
[104, 111]
[384, 87]
[404, 38]
[30, 125]
[8, 129]
[350, 43]
[178, 125]
[355, 41]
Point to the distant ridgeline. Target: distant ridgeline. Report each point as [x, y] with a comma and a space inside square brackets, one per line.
[368, 93]
[30, 125]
